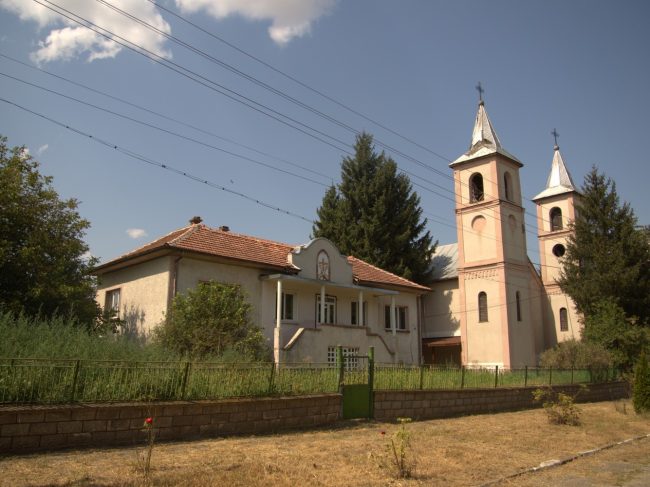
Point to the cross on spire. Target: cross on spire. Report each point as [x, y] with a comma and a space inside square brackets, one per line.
[480, 90]
[555, 136]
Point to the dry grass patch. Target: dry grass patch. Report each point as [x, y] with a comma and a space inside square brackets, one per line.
[462, 451]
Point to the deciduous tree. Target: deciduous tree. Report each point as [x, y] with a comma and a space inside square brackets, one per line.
[44, 266]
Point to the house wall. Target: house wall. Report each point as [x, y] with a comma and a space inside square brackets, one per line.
[312, 342]
[143, 293]
[441, 310]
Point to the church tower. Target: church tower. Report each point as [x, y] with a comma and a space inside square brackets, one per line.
[556, 208]
[494, 273]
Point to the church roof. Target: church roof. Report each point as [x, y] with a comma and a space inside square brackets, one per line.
[445, 262]
[485, 140]
[559, 180]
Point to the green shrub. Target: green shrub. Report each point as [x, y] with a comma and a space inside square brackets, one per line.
[641, 394]
[212, 319]
[574, 354]
[560, 407]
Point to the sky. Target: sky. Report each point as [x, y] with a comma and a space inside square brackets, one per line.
[240, 111]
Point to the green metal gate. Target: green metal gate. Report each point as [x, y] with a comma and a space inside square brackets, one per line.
[356, 374]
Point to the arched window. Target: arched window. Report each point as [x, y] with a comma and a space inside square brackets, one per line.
[555, 216]
[507, 186]
[564, 320]
[518, 299]
[476, 188]
[482, 307]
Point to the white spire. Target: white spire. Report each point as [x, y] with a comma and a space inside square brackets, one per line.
[559, 180]
[484, 139]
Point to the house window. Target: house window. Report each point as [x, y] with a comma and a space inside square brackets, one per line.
[112, 304]
[350, 358]
[354, 313]
[476, 188]
[400, 317]
[555, 215]
[330, 309]
[286, 307]
[564, 320]
[518, 299]
[507, 186]
[482, 307]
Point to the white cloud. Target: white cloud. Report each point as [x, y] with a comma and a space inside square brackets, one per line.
[67, 40]
[136, 233]
[289, 18]
[42, 149]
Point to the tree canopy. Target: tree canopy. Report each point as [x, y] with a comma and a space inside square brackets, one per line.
[210, 320]
[375, 215]
[44, 266]
[606, 270]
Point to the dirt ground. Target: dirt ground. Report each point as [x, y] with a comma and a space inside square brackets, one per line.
[464, 451]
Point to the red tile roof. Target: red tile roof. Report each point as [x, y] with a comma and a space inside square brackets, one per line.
[230, 245]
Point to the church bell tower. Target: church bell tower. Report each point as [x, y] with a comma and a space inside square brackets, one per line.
[493, 267]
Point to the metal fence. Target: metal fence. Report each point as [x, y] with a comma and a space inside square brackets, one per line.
[46, 381]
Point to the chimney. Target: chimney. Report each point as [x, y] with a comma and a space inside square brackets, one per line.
[224, 228]
[195, 220]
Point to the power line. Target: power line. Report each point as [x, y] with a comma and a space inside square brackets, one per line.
[153, 162]
[161, 129]
[166, 117]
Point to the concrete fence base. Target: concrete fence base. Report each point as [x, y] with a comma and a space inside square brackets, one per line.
[26, 429]
[390, 405]
[33, 428]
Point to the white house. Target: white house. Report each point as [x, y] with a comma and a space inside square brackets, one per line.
[307, 299]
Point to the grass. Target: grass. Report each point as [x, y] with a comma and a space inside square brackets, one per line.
[453, 452]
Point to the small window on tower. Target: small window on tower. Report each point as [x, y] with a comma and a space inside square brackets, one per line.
[558, 250]
[476, 188]
[518, 298]
[482, 307]
[564, 320]
[507, 186]
[555, 216]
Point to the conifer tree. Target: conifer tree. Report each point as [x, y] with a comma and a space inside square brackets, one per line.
[641, 392]
[607, 257]
[375, 215]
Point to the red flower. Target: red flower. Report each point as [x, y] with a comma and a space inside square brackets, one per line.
[382, 433]
[148, 421]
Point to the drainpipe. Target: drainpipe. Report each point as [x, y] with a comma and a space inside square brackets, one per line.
[173, 282]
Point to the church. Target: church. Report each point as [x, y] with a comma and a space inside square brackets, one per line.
[489, 305]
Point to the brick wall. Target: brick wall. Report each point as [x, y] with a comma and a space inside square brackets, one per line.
[390, 405]
[32, 428]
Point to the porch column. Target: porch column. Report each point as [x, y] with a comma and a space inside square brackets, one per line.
[322, 305]
[278, 322]
[360, 310]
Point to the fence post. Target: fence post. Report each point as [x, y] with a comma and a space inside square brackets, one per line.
[421, 376]
[371, 382]
[550, 376]
[75, 374]
[572, 374]
[591, 376]
[339, 363]
[186, 373]
[496, 376]
[462, 376]
[526, 376]
[273, 366]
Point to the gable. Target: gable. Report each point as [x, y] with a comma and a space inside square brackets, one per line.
[321, 260]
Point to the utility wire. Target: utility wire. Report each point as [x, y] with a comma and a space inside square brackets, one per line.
[153, 162]
[166, 117]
